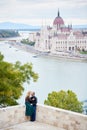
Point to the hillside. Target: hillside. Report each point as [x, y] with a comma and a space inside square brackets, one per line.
[20, 26]
[8, 33]
[17, 26]
[79, 26]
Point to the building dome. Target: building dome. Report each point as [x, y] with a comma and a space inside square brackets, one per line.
[58, 21]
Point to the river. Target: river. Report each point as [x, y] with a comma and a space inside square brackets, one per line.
[54, 74]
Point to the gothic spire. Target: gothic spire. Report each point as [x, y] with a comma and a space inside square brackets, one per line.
[58, 13]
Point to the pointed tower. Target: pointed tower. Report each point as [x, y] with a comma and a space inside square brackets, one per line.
[58, 13]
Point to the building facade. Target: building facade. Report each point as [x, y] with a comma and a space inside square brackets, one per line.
[60, 38]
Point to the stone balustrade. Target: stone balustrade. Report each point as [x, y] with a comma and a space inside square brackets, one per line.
[54, 116]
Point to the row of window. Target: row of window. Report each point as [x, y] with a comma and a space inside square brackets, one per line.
[63, 42]
[70, 42]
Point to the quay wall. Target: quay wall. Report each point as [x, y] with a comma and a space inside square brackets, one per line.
[45, 114]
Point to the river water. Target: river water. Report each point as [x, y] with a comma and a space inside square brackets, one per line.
[54, 74]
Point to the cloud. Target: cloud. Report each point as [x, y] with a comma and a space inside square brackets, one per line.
[59, 3]
[29, 11]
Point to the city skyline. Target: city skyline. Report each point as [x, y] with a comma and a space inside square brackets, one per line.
[38, 12]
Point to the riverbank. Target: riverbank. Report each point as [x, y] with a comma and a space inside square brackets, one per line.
[72, 58]
[27, 48]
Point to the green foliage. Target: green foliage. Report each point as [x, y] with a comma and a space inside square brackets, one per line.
[8, 33]
[65, 100]
[83, 52]
[26, 41]
[1, 57]
[12, 77]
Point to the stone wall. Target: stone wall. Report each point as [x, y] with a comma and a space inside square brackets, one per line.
[11, 115]
[46, 114]
[61, 118]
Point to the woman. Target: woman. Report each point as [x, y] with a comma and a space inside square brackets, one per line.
[29, 107]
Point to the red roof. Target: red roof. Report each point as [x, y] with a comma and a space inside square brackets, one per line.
[58, 20]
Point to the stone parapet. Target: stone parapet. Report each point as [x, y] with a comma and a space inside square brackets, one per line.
[11, 115]
[45, 114]
[61, 118]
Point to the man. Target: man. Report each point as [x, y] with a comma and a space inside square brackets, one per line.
[33, 101]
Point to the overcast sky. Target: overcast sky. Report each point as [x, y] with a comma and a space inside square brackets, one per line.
[38, 12]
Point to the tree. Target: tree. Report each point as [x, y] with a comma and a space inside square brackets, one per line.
[64, 99]
[12, 77]
[8, 33]
[28, 42]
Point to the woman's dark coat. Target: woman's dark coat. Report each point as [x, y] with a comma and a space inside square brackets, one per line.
[29, 108]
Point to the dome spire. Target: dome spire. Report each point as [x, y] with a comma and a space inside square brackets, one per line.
[58, 13]
[58, 21]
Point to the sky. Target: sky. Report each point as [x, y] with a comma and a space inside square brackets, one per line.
[43, 12]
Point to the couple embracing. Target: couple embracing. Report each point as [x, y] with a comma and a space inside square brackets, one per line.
[30, 103]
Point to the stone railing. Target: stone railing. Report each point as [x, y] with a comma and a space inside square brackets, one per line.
[61, 118]
[45, 114]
